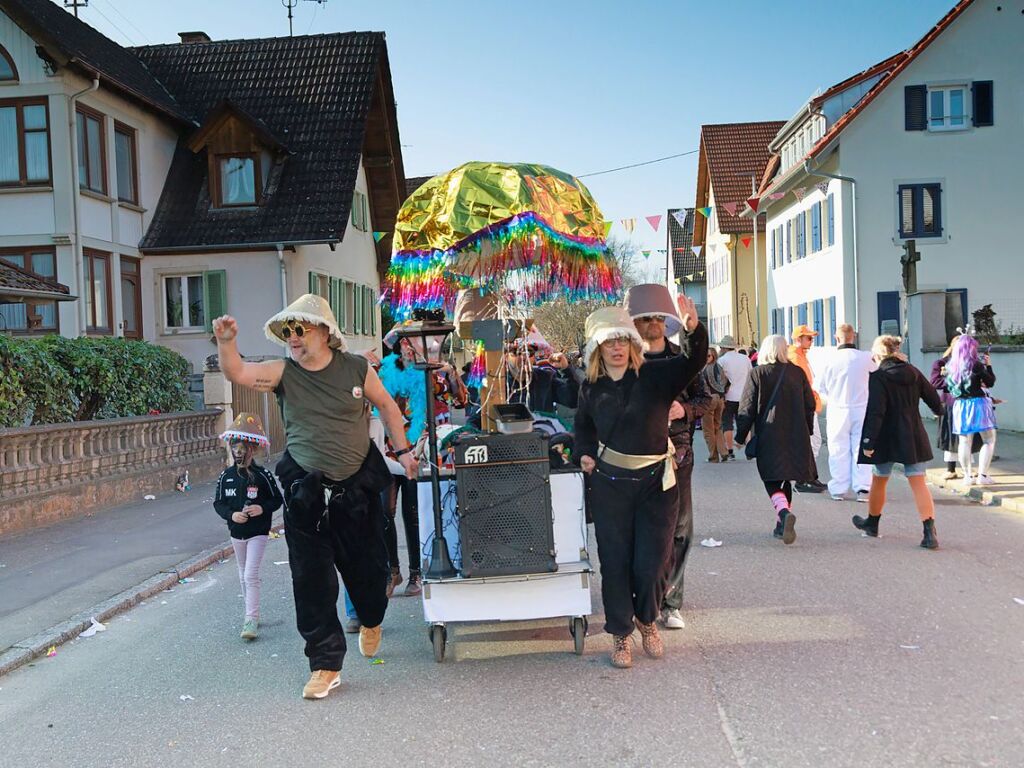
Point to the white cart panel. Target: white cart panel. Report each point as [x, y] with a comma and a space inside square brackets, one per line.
[512, 598]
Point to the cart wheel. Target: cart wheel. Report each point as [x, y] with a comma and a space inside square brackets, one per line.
[579, 635]
[438, 636]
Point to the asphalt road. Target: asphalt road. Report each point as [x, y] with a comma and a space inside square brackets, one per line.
[836, 651]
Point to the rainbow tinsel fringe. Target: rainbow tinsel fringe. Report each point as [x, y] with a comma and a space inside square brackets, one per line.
[478, 370]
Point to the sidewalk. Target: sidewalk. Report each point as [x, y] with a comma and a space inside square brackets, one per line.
[1007, 471]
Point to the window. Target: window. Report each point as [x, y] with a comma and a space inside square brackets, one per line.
[236, 180]
[360, 215]
[789, 241]
[320, 285]
[947, 108]
[349, 295]
[771, 254]
[98, 315]
[801, 314]
[920, 210]
[831, 319]
[24, 142]
[889, 312]
[30, 316]
[127, 168]
[92, 160]
[779, 321]
[816, 227]
[192, 301]
[801, 234]
[830, 205]
[131, 298]
[819, 322]
[8, 72]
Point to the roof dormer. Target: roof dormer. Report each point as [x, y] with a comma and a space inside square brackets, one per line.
[241, 151]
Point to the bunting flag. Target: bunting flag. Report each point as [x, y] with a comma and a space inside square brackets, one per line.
[680, 217]
[607, 229]
[629, 225]
[745, 241]
[654, 221]
[705, 212]
[753, 202]
[647, 254]
[689, 277]
[730, 208]
[378, 236]
[777, 195]
[822, 187]
[679, 281]
[799, 192]
[696, 250]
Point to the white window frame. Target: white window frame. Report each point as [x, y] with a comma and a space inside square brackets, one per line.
[946, 89]
[183, 277]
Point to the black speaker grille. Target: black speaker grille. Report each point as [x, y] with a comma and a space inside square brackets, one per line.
[505, 506]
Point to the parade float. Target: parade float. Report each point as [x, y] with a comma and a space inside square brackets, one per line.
[484, 244]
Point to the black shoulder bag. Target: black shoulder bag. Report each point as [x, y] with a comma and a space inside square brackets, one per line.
[750, 449]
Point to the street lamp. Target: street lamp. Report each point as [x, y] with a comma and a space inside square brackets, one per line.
[427, 334]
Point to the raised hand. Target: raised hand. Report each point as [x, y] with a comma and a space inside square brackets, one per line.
[225, 328]
[687, 311]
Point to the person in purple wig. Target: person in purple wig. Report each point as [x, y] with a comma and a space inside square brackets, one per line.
[967, 377]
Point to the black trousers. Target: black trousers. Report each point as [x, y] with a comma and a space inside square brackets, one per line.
[634, 521]
[343, 536]
[410, 521]
[682, 538]
[774, 486]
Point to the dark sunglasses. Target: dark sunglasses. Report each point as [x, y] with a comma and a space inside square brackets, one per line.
[292, 327]
[651, 319]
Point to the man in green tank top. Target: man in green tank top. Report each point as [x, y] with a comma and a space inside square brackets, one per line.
[330, 473]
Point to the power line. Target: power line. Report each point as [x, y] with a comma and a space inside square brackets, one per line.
[124, 34]
[130, 22]
[637, 165]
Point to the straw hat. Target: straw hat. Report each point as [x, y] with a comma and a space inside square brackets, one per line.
[803, 330]
[654, 299]
[308, 308]
[247, 427]
[609, 323]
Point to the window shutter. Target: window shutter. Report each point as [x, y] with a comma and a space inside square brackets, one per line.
[312, 282]
[831, 219]
[357, 310]
[332, 291]
[915, 107]
[215, 295]
[983, 112]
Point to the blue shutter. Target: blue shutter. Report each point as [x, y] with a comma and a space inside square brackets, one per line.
[831, 207]
[801, 314]
[789, 240]
[815, 227]
[819, 322]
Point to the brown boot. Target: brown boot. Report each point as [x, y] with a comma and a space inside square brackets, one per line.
[394, 581]
[414, 586]
[653, 646]
[622, 651]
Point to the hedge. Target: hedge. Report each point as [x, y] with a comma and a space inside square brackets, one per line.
[53, 379]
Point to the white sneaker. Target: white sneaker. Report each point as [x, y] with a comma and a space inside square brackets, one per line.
[985, 480]
[966, 483]
[672, 619]
[838, 497]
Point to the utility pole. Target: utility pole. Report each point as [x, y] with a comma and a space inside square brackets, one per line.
[289, 4]
[76, 4]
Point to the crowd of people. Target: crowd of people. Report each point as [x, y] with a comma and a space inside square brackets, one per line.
[644, 381]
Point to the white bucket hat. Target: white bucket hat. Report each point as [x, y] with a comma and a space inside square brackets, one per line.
[308, 308]
[609, 323]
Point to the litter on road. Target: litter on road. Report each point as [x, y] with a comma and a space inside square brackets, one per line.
[186, 697]
[149, 497]
[911, 647]
[52, 651]
[93, 628]
[711, 543]
[280, 562]
[1019, 600]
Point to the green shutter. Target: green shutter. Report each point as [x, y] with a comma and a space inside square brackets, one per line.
[373, 312]
[312, 283]
[215, 295]
[357, 310]
[332, 290]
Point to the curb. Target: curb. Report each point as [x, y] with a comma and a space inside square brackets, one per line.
[976, 493]
[24, 651]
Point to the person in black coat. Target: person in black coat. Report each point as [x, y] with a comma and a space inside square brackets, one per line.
[894, 434]
[782, 429]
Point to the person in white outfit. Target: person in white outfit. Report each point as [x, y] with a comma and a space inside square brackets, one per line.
[737, 369]
[844, 385]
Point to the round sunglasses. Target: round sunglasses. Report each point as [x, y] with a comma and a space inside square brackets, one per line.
[294, 327]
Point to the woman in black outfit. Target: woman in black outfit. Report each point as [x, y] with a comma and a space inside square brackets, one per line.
[622, 441]
[783, 427]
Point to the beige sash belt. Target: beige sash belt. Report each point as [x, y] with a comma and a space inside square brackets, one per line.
[637, 461]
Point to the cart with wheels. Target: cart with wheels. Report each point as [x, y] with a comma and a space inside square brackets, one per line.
[564, 592]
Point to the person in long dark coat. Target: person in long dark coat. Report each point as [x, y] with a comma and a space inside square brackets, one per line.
[947, 442]
[783, 431]
[894, 434]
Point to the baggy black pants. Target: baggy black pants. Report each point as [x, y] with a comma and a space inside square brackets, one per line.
[345, 536]
[634, 521]
[682, 537]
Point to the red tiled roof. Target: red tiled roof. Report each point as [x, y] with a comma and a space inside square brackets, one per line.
[734, 153]
[849, 82]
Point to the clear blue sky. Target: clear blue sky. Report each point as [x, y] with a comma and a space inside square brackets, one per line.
[583, 86]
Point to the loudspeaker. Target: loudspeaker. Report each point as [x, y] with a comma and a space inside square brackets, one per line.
[504, 512]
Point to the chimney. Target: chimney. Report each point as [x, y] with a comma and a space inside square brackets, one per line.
[188, 38]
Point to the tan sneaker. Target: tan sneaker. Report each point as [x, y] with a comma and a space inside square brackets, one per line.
[622, 651]
[369, 640]
[321, 682]
[653, 646]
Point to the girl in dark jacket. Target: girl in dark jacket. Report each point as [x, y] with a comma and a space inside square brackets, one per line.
[783, 429]
[947, 442]
[967, 376]
[894, 434]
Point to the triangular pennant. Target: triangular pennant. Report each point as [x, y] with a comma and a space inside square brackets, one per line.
[629, 225]
[799, 192]
[680, 217]
[679, 281]
[654, 221]
[696, 250]
[753, 202]
[378, 236]
[689, 277]
[730, 208]
[607, 229]
[822, 187]
[705, 212]
[647, 254]
[745, 241]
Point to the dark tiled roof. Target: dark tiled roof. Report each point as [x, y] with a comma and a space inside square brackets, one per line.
[680, 240]
[72, 42]
[736, 152]
[312, 92]
[411, 185]
[15, 281]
